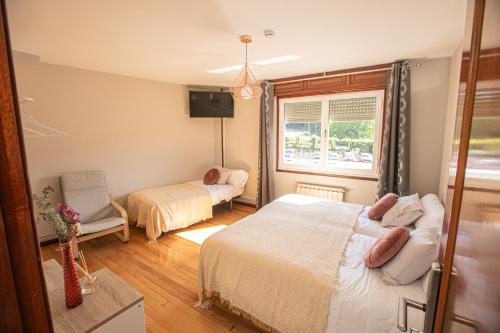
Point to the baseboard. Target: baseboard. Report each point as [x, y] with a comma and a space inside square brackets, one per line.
[247, 201]
[48, 241]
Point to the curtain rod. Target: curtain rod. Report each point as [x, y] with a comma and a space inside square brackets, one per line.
[325, 75]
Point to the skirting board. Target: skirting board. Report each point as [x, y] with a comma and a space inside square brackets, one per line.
[52, 238]
[247, 200]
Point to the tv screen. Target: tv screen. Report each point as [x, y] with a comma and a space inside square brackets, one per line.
[206, 104]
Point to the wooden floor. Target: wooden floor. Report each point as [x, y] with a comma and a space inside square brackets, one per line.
[166, 273]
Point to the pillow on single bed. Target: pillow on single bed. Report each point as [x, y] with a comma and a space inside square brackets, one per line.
[404, 212]
[223, 175]
[414, 259]
[387, 247]
[238, 178]
[211, 177]
[382, 206]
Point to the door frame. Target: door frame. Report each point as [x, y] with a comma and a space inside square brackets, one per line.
[24, 304]
[463, 150]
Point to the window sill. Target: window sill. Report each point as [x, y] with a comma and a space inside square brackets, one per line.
[327, 174]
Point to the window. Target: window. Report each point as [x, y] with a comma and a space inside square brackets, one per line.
[331, 134]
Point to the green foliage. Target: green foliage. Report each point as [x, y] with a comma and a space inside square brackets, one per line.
[352, 134]
[48, 213]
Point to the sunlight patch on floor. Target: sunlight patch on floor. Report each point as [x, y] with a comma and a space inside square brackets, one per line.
[198, 236]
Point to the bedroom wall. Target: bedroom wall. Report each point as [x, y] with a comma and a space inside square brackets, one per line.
[137, 131]
[451, 113]
[429, 98]
[429, 102]
[242, 144]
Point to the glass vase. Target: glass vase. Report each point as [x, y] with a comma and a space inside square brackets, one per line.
[72, 291]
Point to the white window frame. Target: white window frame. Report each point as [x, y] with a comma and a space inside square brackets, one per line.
[322, 168]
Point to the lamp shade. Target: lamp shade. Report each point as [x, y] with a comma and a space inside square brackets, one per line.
[246, 85]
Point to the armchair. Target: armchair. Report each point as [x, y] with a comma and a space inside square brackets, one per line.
[86, 193]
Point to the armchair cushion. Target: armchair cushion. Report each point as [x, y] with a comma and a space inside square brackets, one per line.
[86, 193]
[105, 224]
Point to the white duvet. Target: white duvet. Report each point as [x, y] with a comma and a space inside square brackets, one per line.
[278, 267]
[361, 302]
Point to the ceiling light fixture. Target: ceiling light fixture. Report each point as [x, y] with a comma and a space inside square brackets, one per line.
[246, 85]
[276, 60]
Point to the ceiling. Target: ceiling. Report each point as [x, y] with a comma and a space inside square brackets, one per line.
[178, 41]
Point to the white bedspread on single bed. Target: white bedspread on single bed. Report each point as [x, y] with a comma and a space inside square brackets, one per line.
[220, 193]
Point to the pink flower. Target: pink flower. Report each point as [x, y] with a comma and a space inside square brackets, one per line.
[68, 215]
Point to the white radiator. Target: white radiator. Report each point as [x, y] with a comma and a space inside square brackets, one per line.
[321, 191]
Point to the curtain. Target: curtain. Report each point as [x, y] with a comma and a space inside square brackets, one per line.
[394, 173]
[265, 180]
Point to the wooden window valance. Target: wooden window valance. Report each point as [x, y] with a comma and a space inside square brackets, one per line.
[355, 79]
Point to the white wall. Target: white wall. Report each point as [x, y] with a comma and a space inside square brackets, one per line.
[137, 131]
[242, 143]
[429, 98]
[451, 113]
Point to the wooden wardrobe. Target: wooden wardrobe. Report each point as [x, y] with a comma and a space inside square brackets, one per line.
[469, 295]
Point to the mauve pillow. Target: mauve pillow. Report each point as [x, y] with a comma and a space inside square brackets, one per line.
[211, 177]
[387, 247]
[382, 206]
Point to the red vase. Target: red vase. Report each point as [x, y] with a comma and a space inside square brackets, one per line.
[72, 289]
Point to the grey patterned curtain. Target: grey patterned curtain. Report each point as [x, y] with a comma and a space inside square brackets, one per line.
[265, 181]
[394, 175]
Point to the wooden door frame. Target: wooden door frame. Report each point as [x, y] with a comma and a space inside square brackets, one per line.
[463, 150]
[24, 305]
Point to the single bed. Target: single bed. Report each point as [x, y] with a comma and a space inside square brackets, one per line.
[172, 207]
[271, 282]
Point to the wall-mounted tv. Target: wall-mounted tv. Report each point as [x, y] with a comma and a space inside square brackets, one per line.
[206, 104]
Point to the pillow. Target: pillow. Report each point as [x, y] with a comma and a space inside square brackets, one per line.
[382, 206]
[223, 175]
[414, 259]
[387, 247]
[404, 212]
[433, 212]
[238, 178]
[211, 177]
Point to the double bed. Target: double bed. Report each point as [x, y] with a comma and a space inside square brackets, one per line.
[297, 265]
[172, 207]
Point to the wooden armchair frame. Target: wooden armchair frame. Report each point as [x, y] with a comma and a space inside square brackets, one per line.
[121, 232]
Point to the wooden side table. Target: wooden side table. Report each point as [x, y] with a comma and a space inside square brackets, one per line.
[114, 307]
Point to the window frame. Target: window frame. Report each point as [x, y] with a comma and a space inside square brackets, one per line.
[322, 169]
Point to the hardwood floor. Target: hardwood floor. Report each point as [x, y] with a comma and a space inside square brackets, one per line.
[166, 273]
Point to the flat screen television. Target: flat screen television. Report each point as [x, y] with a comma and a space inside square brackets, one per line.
[206, 104]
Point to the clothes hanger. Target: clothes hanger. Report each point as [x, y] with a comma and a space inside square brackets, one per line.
[34, 129]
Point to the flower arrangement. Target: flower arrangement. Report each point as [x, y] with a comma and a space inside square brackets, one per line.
[65, 220]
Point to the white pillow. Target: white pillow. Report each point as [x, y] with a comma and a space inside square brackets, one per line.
[433, 212]
[223, 175]
[238, 178]
[414, 259]
[404, 212]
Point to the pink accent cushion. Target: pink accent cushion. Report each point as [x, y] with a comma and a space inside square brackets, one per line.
[382, 206]
[387, 247]
[211, 177]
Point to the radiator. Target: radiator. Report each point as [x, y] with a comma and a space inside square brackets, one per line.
[321, 191]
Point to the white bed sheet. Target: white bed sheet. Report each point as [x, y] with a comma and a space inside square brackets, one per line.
[361, 302]
[219, 193]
